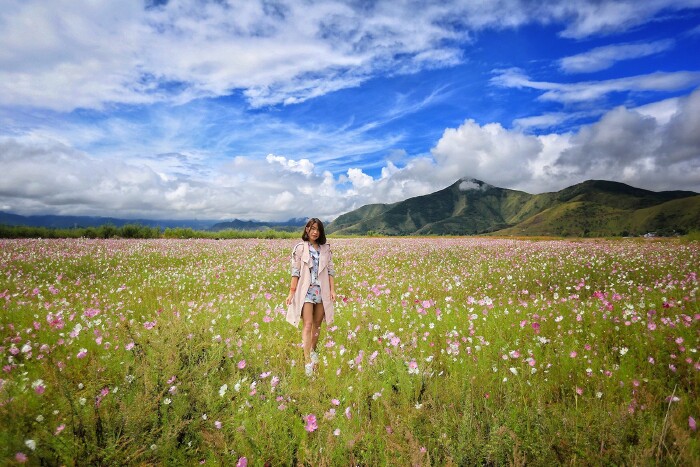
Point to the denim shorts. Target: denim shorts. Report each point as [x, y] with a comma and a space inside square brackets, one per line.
[313, 295]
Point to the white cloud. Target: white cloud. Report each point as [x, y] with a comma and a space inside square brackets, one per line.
[303, 166]
[637, 149]
[586, 91]
[661, 111]
[656, 147]
[604, 57]
[93, 54]
[470, 184]
[359, 179]
[629, 145]
[488, 153]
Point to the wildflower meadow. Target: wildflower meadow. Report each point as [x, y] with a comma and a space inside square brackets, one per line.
[444, 351]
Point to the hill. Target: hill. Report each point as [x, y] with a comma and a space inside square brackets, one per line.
[68, 222]
[469, 207]
[237, 224]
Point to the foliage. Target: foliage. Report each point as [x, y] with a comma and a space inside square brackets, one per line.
[136, 231]
[444, 351]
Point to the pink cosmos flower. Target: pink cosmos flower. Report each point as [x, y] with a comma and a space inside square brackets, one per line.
[311, 424]
[573, 354]
[82, 353]
[335, 402]
[691, 424]
[217, 424]
[91, 312]
[59, 429]
[241, 364]
[149, 325]
[21, 457]
[242, 462]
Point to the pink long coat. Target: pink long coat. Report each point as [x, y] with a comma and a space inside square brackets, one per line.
[301, 260]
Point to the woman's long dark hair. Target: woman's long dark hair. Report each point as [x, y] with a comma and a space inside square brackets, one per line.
[321, 232]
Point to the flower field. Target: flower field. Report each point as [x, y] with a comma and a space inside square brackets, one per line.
[444, 351]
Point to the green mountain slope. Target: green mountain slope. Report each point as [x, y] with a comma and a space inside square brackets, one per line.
[469, 207]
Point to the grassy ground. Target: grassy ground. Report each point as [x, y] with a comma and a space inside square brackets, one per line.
[444, 351]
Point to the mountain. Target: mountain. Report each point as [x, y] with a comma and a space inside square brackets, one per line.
[67, 222]
[469, 207]
[237, 224]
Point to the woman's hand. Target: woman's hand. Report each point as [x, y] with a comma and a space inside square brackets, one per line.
[332, 295]
[289, 298]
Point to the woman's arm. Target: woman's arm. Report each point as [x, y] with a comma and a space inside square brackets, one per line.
[331, 273]
[293, 288]
[296, 265]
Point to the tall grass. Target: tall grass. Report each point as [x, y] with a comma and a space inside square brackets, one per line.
[445, 351]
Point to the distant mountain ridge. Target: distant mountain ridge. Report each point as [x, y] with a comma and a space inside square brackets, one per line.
[470, 207]
[68, 222]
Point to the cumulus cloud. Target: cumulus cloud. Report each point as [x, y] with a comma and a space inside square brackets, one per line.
[489, 152]
[656, 147]
[653, 147]
[43, 176]
[604, 57]
[303, 166]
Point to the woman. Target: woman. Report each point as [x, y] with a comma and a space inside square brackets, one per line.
[312, 291]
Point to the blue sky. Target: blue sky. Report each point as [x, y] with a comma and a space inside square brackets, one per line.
[271, 110]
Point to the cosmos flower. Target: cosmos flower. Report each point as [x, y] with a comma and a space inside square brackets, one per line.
[311, 424]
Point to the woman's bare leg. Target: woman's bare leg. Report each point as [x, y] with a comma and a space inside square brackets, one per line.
[307, 316]
[318, 316]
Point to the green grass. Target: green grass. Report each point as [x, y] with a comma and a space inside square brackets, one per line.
[525, 352]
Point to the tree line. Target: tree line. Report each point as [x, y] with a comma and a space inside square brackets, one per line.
[134, 231]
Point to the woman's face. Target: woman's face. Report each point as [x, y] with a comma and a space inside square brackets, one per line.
[312, 231]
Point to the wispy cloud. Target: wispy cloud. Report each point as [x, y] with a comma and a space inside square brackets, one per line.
[604, 57]
[587, 91]
[551, 120]
[93, 54]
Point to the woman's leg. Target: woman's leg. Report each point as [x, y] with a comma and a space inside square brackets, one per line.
[307, 316]
[318, 316]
